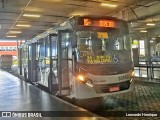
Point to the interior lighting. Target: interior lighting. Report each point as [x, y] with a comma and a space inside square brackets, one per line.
[150, 24]
[22, 25]
[11, 36]
[31, 15]
[108, 5]
[144, 31]
[14, 31]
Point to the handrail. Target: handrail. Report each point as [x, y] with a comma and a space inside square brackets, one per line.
[151, 66]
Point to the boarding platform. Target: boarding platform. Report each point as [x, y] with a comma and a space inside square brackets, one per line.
[20, 97]
[144, 98]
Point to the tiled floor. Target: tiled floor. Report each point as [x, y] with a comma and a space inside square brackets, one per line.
[145, 98]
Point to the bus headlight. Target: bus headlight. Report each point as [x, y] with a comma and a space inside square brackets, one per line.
[84, 80]
[81, 78]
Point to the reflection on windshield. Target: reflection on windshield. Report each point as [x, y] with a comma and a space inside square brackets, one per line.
[108, 43]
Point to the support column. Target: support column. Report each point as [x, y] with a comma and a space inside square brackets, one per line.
[33, 63]
[147, 46]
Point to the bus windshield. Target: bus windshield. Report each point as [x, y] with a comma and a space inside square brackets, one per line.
[110, 46]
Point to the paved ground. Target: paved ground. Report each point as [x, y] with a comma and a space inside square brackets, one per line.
[145, 98]
[20, 97]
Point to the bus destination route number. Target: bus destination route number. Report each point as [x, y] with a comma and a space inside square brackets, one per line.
[98, 59]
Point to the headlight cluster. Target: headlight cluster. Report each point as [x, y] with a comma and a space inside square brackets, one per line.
[84, 80]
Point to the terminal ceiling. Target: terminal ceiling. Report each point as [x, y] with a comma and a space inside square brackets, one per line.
[53, 12]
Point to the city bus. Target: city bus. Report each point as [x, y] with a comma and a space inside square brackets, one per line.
[83, 57]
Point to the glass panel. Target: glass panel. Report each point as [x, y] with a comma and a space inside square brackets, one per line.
[25, 56]
[158, 49]
[54, 57]
[30, 52]
[64, 50]
[103, 46]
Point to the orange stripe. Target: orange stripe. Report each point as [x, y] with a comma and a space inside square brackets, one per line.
[14, 53]
[8, 43]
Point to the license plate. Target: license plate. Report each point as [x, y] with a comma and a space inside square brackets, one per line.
[113, 89]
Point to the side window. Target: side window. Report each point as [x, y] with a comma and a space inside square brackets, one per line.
[118, 44]
[47, 49]
[65, 43]
[121, 43]
[54, 47]
[65, 40]
[83, 44]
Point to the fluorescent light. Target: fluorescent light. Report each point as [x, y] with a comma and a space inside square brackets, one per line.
[143, 31]
[22, 25]
[108, 5]
[11, 36]
[150, 24]
[31, 15]
[151, 41]
[14, 31]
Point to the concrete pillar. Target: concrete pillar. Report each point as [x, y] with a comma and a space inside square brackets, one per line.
[33, 63]
[147, 46]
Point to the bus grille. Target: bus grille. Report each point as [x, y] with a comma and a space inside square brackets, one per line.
[105, 88]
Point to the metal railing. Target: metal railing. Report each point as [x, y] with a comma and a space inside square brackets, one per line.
[148, 69]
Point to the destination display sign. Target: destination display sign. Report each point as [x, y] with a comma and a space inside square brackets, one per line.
[98, 22]
[98, 59]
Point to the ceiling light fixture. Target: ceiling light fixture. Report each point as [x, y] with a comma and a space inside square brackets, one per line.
[153, 38]
[22, 25]
[151, 41]
[108, 5]
[144, 31]
[31, 15]
[150, 24]
[14, 31]
[11, 36]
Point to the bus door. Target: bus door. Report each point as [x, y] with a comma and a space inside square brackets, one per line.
[51, 51]
[63, 62]
[20, 60]
[32, 64]
[29, 63]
